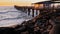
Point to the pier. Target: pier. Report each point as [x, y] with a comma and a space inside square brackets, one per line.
[29, 10]
[46, 20]
[49, 11]
[37, 10]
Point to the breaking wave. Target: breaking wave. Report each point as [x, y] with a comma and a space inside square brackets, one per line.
[10, 16]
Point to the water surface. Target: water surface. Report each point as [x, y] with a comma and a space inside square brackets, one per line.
[10, 16]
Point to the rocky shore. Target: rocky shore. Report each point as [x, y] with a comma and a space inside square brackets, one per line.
[33, 26]
[41, 24]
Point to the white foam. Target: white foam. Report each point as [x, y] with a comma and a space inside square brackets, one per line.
[11, 16]
[8, 23]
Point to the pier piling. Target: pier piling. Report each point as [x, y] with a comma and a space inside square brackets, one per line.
[36, 12]
[28, 12]
[32, 12]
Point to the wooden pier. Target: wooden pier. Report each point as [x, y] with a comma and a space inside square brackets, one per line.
[28, 9]
[36, 11]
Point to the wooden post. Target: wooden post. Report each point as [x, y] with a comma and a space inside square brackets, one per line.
[23, 9]
[39, 11]
[28, 11]
[32, 12]
[36, 11]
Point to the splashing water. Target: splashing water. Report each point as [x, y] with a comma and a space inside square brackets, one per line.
[10, 16]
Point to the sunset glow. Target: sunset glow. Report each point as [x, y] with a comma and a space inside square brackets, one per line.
[18, 2]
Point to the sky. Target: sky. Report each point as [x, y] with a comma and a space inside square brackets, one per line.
[18, 2]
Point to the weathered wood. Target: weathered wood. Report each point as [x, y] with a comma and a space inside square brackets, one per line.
[39, 12]
[28, 11]
[32, 12]
[36, 12]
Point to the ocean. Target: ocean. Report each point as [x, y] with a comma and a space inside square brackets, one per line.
[9, 16]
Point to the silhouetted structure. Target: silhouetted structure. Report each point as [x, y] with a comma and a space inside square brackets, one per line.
[41, 24]
[46, 6]
[55, 0]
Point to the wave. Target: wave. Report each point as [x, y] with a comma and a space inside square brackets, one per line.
[11, 16]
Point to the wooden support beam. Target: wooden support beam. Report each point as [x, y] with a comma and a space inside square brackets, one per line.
[39, 12]
[28, 11]
[36, 12]
[32, 12]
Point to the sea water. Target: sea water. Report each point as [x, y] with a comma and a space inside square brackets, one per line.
[9, 16]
